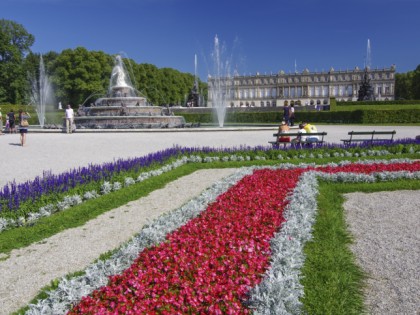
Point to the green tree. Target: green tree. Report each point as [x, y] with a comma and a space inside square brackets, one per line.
[415, 83]
[402, 86]
[15, 43]
[149, 83]
[80, 75]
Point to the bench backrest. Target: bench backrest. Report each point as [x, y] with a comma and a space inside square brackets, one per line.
[300, 133]
[355, 133]
[372, 135]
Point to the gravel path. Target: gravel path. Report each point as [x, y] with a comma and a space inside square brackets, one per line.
[386, 227]
[29, 269]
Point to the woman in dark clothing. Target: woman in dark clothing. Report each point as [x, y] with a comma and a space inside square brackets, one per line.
[23, 125]
[12, 124]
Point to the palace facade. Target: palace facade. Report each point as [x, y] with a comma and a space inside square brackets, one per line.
[305, 88]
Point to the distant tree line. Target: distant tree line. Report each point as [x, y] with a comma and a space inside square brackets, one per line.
[79, 76]
[407, 85]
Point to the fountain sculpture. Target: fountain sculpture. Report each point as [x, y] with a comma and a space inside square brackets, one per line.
[366, 89]
[122, 108]
[194, 98]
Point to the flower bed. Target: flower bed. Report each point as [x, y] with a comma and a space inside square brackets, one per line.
[211, 263]
[208, 264]
[23, 204]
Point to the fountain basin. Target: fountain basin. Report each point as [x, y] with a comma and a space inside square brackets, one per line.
[121, 100]
[128, 122]
[122, 111]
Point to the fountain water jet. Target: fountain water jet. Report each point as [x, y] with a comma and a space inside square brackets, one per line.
[41, 93]
[366, 92]
[221, 83]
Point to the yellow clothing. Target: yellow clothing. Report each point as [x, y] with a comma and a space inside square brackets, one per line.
[310, 128]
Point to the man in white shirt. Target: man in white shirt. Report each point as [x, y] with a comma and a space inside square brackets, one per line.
[69, 118]
[301, 137]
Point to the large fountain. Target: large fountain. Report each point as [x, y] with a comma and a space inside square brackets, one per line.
[366, 92]
[123, 108]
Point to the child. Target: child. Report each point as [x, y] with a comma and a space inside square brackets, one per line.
[7, 126]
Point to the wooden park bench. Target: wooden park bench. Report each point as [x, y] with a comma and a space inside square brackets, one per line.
[277, 142]
[369, 137]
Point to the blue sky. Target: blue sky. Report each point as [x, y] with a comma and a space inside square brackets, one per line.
[263, 36]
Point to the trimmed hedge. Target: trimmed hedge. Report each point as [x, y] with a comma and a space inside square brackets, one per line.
[398, 102]
[373, 116]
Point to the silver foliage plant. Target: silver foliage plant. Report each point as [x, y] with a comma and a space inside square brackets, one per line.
[70, 291]
[69, 201]
[280, 290]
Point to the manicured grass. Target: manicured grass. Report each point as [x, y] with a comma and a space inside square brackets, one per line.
[333, 283]
[80, 214]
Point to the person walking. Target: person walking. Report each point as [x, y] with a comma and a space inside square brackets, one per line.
[12, 121]
[23, 126]
[292, 115]
[286, 114]
[7, 126]
[69, 119]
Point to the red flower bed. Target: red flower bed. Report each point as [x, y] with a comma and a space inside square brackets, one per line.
[372, 168]
[208, 265]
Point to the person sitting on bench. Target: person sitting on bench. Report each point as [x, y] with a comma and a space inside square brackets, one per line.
[309, 129]
[300, 138]
[283, 129]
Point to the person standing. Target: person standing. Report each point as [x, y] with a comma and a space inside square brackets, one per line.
[12, 121]
[286, 114]
[1, 124]
[292, 115]
[23, 126]
[69, 119]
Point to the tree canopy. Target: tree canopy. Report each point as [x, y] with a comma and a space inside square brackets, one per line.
[15, 43]
[407, 85]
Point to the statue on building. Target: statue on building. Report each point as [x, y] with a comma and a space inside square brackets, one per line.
[366, 89]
